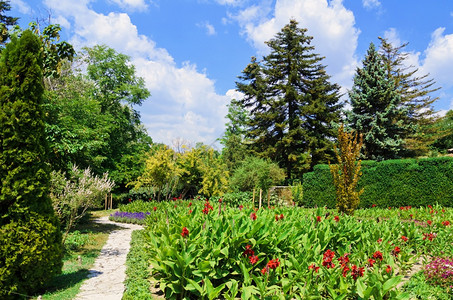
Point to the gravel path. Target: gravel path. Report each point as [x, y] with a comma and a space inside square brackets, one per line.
[108, 273]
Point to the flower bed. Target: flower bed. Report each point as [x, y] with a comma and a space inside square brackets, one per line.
[129, 217]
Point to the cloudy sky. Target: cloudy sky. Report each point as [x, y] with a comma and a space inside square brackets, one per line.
[190, 52]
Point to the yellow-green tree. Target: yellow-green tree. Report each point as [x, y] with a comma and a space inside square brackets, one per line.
[346, 172]
[215, 175]
[161, 171]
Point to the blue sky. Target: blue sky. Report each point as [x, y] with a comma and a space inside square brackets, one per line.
[190, 52]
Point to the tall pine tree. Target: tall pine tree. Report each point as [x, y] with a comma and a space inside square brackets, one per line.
[415, 91]
[377, 112]
[292, 104]
[5, 20]
[30, 238]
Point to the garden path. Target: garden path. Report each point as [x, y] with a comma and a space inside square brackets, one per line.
[106, 278]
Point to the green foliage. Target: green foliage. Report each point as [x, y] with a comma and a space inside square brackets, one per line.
[256, 173]
[234, 199]
[216, 247]
[346, 172]
[291, 102]
[30, 238]
[377, 112]
[415, 94]
[160, 171]
[392, 183]
[137, 269]
[5, 20]
[75, 240]
[297, 192]
[445, 125]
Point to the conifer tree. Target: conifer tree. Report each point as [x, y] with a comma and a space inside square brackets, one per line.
[30, 237]
[292, 104]
[377, 112]
[415, 91]
[5, 20]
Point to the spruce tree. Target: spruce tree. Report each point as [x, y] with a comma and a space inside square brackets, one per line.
[292, 104]
[377, 112]
[30, 238]
[415, 91]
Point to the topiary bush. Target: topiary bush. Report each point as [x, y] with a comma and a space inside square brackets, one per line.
[394, 183]
[30, 237]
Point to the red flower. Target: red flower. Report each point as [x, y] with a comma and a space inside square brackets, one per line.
[389, 269]
[374, 205]
[357, 272]
[184, 232]
[429, 222]
[154, 208]
[264, 270]
[277, 218]
[345, 271]
[241, 207]
[336, 218]
[313, 267]
[378, 255]
[248, 251]
[318, 219]
[344, 260]
[327, 259]
[404, 238]
[379, 240]
[253, 259]
[430, 236]
[190, 204]
[411, 216]
[273, 264]
[175, 205]
[220, 200]
[130, 200]
[281, 216]
[430, 206]
[371, 262]
[390, 207]
[207, 207]
[446, 223]
[253, 216]
[396, 251]
[190, 211]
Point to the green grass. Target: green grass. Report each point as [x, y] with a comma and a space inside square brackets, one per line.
[420, 289]
[75, 271]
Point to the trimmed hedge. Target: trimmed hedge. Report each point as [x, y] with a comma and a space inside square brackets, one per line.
[394, 183]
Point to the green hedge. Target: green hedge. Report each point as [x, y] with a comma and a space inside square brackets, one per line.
[391, 183]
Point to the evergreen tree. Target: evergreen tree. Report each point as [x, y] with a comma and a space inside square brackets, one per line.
[30, 238]
[5, 20]
[416, 97]
[291, 102]
[377, 112]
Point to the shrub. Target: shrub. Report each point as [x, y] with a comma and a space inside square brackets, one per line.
[394, 183]
[73, 196]
[256, 173]
[346, 172]
[30, 238]
[75, 240]
[440, 272]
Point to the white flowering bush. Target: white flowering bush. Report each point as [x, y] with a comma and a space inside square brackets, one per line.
[74, 193]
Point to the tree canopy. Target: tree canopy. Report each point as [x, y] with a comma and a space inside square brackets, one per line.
[291, 103]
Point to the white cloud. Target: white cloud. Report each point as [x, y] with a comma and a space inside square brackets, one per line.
[210, 30]
[329, 22]
[183, 101]
[439, 57]
[22, 7]
[370, 4]
[132, 4]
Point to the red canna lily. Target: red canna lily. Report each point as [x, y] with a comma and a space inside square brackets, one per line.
[389, 269]
[154, 208]
[327, 259]
[248, 251]
[378, 255]
[314, 268]
[446, 223]
[253, 259]
[336, 218]
[396, 251]
[318, 219]
[241, 207]
[404, 238]
[371, 262]
[185, 232]
[345, 271]
[253, 216]
[281, 216]
[273, 264]
[357, 272]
